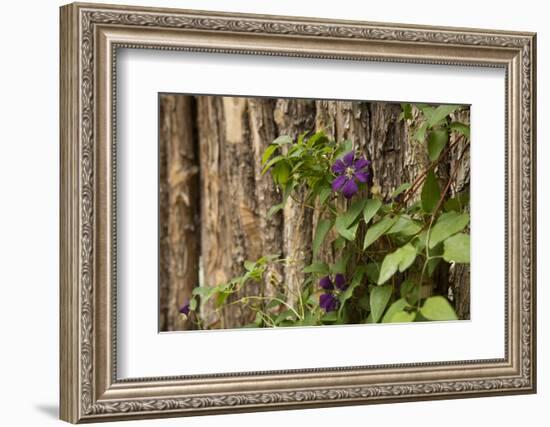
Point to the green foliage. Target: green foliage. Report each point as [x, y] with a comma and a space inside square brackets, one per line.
[323, 228]
[448, 224]
[431, 193]
[437, 140]
[377, 230]
[401, 259]
[397, 307]
[379, 298]
[457, 248]
[438, 308]
[386, 246]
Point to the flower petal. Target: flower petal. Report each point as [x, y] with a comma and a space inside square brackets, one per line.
[339, 167]
[350, 188]
[339, 182]
[361, 164]
[324, 300]
[362, 176]
[328, 302]
[348, 158]
[326, 283]
[340, 281]
[184, 309]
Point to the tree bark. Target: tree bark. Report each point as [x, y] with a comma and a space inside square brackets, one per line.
[179, 210]
[293, 117]
[236, 198]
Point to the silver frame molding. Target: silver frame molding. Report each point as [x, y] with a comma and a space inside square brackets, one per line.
[90, 37]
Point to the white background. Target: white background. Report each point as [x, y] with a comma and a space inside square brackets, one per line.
[29, 170]
[143, 352]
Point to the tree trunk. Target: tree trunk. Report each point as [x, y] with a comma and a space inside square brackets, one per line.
[179, 207]
[233, 134]
[293, 117]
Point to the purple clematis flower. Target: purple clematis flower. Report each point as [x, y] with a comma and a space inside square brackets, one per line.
[348, 171]
[184, 309]
[328, 302]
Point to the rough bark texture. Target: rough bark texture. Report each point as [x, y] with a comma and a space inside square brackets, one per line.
[234, 197]
[179, 196]
[293, 117]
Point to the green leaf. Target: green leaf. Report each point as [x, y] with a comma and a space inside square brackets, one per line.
[407, 111]
[283, 139]
[410, 291]
[281, 173]
[317, 267]
[345, 147]
[274, 209]
[221, 298]
[397, 306]
[321, 231]
[330, 317]
[339, 244]
[371, 208]
[355, 281]
[377, 230]
[271, 163]
[400, 189]
[308, 320]
[407, 256]
[284, 315]
[346, 233]
[268, 152]
[402, 317]
[323, 194]
[438, 308]
[193, 304]
[448, 223]
[389, 266]
[249, 265]
[317, 138]
[457, 203]
[400, 259]
[379, 298]
[436, 142]
[364, 302]
[432, 265]
[457, 248]
[461, 128]
[205, 292]
[405, 226]
[426, 109]
[420, 134]
[352, 213]
[430, 193]
[441, 113]
[373, 271]
[340, 266]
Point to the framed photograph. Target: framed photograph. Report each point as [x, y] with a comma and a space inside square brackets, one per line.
[267, 212]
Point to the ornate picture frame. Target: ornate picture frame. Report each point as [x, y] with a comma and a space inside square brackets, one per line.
[90, 37]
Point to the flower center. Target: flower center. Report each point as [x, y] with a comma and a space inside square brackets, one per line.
[350, 171]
